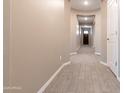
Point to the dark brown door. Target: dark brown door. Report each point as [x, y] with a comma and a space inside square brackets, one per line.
[85, 39]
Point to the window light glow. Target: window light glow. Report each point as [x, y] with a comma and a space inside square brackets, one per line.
[86, 32]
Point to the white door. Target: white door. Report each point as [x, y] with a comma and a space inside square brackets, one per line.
[112, 35]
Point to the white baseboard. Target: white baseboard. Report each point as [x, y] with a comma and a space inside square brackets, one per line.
[52, 77]
[73, 53]
[98, 53]
[104, 63]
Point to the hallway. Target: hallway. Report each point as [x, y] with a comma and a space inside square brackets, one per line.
[58, 46]
[85, 74]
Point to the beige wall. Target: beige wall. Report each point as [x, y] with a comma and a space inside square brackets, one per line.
[98, 31]
[104, 32]
[6, 27]
[75, 37]
[39, 36]
[67, 27]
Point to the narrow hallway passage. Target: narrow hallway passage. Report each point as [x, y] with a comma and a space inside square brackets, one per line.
[85, 74]
[61, 46]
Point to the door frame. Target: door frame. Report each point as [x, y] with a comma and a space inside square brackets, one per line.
[114, 4]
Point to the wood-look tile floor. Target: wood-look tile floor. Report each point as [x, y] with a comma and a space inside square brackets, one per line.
[84, 75]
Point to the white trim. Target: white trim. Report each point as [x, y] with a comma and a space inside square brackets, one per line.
[98, 53]
[104, 63]
[52, 77]
[87, 26]
[73, 53]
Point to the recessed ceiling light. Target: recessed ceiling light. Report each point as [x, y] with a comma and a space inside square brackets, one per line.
[86, 2]
[86, 32]
[85, 18]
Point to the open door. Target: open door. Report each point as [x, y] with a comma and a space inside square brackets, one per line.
[113, 36]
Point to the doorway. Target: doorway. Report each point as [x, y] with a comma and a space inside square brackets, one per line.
[85, 37]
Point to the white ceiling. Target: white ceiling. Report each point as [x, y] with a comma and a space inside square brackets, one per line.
[89, 21]
[79, 5]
